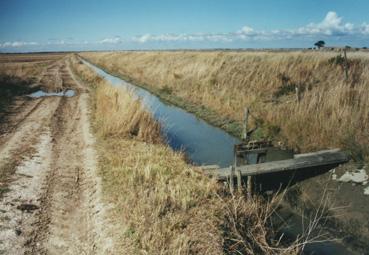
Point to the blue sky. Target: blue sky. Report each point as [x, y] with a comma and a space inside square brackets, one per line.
[44, 25]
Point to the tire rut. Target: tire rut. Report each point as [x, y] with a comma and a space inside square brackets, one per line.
[71, 217]
[60, 176]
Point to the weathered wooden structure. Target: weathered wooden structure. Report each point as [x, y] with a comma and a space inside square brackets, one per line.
[259, 163]
[320, 160]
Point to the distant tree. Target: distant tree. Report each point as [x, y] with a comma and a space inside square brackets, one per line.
[319, 44]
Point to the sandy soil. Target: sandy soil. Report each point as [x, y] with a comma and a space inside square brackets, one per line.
[54, 203]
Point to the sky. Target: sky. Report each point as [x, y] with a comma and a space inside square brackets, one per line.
[63, 25]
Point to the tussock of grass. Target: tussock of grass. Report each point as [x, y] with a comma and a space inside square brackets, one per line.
[161, 204]
[164, 206]
[332, 112]
[118, 115]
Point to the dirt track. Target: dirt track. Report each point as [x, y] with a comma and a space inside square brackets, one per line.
[53, 203]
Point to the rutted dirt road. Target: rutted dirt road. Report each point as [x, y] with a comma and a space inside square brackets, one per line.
[53, 200]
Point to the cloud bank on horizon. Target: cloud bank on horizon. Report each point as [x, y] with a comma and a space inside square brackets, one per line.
[332, 27]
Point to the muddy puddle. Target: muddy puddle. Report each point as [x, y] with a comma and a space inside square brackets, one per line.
[41, 93]
[205, 145]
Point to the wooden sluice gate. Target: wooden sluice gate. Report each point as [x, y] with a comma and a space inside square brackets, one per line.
[259, 166]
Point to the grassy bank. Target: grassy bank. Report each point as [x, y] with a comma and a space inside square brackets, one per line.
[332, 110]
[161, 205]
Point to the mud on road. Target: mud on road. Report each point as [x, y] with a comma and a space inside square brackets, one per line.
[52, 203]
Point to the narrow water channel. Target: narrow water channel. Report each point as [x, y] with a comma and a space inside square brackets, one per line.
[205, 145]
[202, 143]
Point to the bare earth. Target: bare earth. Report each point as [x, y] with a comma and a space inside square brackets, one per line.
[54, 203]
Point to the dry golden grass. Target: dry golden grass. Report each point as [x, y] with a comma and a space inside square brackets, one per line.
[26, 65]
[162, 205]
[23, 70]
[118, 115]
[16, 79]
[30, 57]
[332, 111]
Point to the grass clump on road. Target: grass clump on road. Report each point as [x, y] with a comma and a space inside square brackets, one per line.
[162, 205]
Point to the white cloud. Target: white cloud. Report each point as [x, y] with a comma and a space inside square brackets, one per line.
[143, 38]
[57, 42]
[365, 28]
[66, 41]
[246, 30]
[17, 44]
[331, 25]
[213, 37]
[112, 40]
[169, 38]
[219, 38]
[182, 37]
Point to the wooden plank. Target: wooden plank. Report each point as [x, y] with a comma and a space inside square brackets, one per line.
[315, 153]
[317, 159]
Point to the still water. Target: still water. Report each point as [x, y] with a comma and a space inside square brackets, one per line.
[202, 143]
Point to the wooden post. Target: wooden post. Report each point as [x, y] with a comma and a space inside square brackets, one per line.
[116, 100]
[231, 179]
[297, 88]
[239, 180]
[246, 117]
[249, 187]
[346, 63]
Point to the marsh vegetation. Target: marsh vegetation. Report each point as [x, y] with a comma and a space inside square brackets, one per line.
[332, 111]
